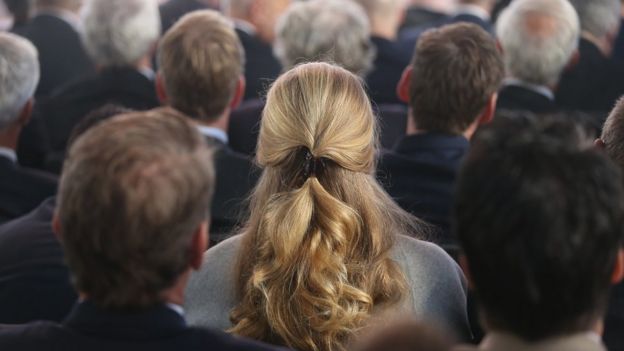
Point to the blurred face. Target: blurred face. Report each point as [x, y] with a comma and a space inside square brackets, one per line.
[264, 15]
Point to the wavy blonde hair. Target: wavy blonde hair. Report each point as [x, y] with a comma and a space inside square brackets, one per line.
[315, 261]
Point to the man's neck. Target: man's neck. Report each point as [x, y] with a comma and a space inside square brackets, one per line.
[9, 137]
[385, 29]
[412, 129]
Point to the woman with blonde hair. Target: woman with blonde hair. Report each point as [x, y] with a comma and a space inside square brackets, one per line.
[322, 251]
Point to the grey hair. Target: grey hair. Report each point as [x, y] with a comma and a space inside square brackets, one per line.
[335, 31]
[19, 76]
[538, 38]
[120, 32]
[598, 17]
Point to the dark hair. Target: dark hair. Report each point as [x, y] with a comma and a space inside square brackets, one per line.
[133, 192]
[538, 214]
[456, 69]
[406, 335]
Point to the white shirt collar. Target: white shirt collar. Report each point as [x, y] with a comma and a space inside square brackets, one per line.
[540, 89]
[8, 153]
[147, 73]
[176, 308]
[477, 11]
[213, 132]
[245, 26]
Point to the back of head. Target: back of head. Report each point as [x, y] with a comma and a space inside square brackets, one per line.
[598, 17]
[335, 31]
[19, 76]
[201, 60]
[455, 71]
[405, 336]
[613, 134]
[538, 38]
[539, 214]
[69, 5]
[134, 191]
[120, 33]
[315, 262]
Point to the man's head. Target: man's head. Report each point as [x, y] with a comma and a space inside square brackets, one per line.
[133, 205]
[334, 31]
[68, 5]
[612, 138]
[19, 76]
[120, 33]
[453, 79]
[385, 16]
[539, 39]
[539, 215]
[201, 66]
[600, 21]
[261, 14]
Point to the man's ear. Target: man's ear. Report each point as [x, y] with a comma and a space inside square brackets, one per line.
[56, 226]
[199, 245]
[404, 85]
[618, 270]
[463, 263]
[599, 144]
[239, 93]
[490, 110]
[26, 113]
[574, 60]
[161, 92]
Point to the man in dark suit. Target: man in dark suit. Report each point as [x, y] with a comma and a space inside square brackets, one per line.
[21, 189]
[539, 214]
[593, 85]
[538, 39]
[172, 10]
[54, 33]
[423, 12]
[131, 249]
[420, 172]
[255, 22]
[206, 84]
[124, 77]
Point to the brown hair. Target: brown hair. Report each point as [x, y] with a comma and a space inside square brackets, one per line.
[134, 190]
[613, 134]
[201, 60]
[315, 260]
[456, 69]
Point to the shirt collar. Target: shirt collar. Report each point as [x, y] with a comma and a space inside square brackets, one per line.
[213, 132]
[8, 153]
[147, 73]
[474, 10]
[245, 26]
[540, 89]
[176, 308]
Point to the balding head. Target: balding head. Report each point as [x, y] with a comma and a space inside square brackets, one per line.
[539, 38]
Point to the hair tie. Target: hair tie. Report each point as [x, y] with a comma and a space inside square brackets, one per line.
[312, 165]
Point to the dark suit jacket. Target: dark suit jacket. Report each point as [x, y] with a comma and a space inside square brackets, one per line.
[420, 175]
[417, 16]
[22, 189]
[34, 280]
[61, 54]
[391, 60]
[517, 98]
[594, 84]
[261, 66]
[236, 177]
[90, 328]
[173, 10]
[614, 321]
[121, 86]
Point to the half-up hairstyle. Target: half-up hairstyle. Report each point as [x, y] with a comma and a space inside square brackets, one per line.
[315, 260]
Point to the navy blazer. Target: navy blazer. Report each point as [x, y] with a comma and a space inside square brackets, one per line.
[518, 98]
[420, 175]
[261, 66]
[382, 81]
[173, 10]
[34, 280]
[22, 189]
[91, 328]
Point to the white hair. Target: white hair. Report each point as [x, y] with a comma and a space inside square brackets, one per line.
[19, 76]
[598, 17]
[335, 31]
[538, 38]
[120, 32]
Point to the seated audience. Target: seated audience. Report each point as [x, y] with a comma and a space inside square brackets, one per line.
[538, 39]
[445, 111]
[54, 31]
[21, 189]
[391, 57]
[423, 12]
[172, 10]
[21, 12]
[324, 249]
[592, 84]
[132, 254]
[540, 215]
[406, 335]
[255, 25]
[120, 36]
[34, 279]
[612, 141]
[201, 75]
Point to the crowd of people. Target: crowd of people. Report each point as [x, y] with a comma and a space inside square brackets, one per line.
[318, 175]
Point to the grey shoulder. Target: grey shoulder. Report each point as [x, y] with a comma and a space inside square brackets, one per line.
[421, 253]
